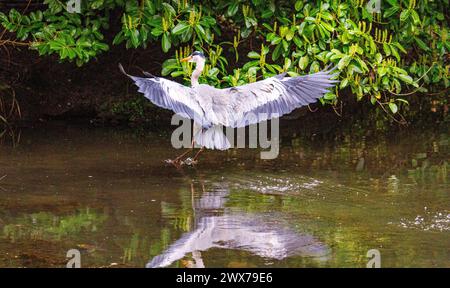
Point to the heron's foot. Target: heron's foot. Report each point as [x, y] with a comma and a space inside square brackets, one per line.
[176, 162]
[189, 161]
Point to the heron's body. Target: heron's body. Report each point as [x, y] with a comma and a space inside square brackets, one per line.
[235, 107]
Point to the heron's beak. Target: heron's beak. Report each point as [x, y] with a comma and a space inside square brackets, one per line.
[186, 59]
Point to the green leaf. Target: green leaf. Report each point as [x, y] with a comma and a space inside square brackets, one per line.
[303, 62]
[144, 34]
[253, 55]
[134, 37]
[378, 57]
[168, 66]
[415, 17]
[250, 64]
[165, 42]
[399, 46]
[201, 33]
[327, 26]
[298, 5]
[63, 53]
[208, 21]
[327, 15]
[250, 21]
[168, 9]
[344, 62]
[118, 38]
[290, 34]
[386, 49]
[398, 86]
[177, 74]
[275, 40]
[233, 8]
[440, 16]
[404, 15]
[393, 107]
[344, 83]
[391, 11]
[298, 42]
[98, 46]
[180, 28]
[56, 44]
[382, 71]
[315, 67]
[277, 52]
[266, 14]
[186, 35]
[393, 3]
[157, 31]
[55, 6]
[72, 53]
[405, 78]
[285, 45]
[287, 64]
[329, 96]
[283, 31]
[421, 44]
[395, 53]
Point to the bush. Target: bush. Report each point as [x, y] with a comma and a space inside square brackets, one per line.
[379, 55]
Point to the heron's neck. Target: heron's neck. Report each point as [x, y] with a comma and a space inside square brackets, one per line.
[197, 72]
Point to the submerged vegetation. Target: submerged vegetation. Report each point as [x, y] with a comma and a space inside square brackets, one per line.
[44, 225]
[384, 51]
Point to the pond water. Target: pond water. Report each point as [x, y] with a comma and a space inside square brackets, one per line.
[324, 202]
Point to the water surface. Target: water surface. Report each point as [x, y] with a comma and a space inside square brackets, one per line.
[324, 202]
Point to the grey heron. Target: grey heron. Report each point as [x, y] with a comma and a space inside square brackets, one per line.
[212, 108]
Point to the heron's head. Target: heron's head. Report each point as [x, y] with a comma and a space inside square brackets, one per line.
[196, 57]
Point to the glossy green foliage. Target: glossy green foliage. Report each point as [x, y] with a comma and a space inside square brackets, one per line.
[401, 46]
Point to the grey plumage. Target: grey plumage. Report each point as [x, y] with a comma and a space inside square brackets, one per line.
[169, 95]
[212, 138]
[236, 106]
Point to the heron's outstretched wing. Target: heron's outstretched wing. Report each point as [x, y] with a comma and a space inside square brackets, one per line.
[169, 94]
[274, 97]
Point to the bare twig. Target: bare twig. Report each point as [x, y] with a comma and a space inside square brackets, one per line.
[402, 121]
[14, 43]
[335, 110]
[311, 109]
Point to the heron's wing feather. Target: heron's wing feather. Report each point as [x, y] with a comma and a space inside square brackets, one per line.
[169, 95]
[274, 97]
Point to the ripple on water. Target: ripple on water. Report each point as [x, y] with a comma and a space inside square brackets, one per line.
[439, 221]
[277, 185]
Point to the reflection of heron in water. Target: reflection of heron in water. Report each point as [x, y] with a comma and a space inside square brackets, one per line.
[217, 227]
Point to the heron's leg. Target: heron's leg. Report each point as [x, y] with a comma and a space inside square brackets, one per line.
[193, 161]
[198, 154]
[182, 155]
[177, 161]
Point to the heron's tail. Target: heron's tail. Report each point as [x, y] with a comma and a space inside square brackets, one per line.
[212, 138]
